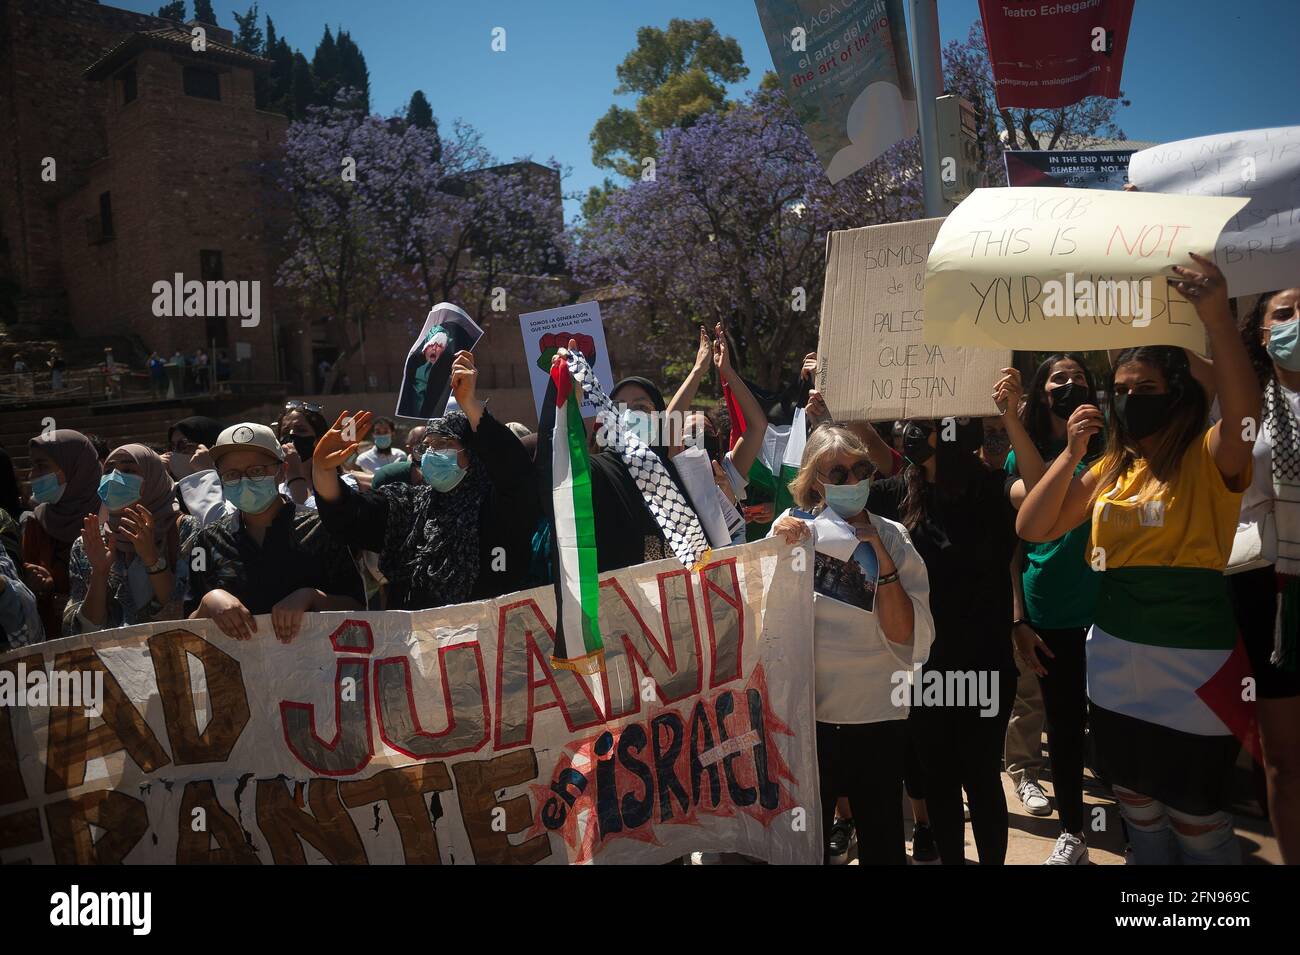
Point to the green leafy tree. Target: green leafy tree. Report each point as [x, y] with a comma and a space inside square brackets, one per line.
[203, 11]
[302, 87]
[248, 36]
[173, 11]
[679, 75]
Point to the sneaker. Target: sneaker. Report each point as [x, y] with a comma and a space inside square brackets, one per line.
[1070, 850]
[841, 836]
[1033, 799]
[923, 847]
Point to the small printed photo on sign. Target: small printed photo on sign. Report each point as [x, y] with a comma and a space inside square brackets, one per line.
[426, 382]
[851, 581]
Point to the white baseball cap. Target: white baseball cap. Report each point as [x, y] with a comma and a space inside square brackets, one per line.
[247, 435]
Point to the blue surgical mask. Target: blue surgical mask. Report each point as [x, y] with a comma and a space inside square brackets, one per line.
[847, 500]
[1283, 340]
[46, 489]
[118, 490]
[383, 441]
[252, 495]
[441, 469]
[639, 423]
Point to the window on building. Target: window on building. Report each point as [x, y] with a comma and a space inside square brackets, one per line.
[106, 215]
[202, 83]
[212, 269]
[126, 81]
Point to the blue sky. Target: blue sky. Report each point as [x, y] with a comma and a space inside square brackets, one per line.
[1193, 66]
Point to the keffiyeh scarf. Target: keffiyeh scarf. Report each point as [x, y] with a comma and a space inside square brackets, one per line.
[1283, 432]
[675, 517]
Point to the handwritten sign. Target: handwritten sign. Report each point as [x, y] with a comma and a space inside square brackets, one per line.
[873, 364]
[1040, 269]
[442, 736]
[1259, 250]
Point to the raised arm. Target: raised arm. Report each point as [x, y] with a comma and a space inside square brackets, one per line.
[1007, 393]
[681, 403]
[1232, 439]
[750, 444]
[1060, 501]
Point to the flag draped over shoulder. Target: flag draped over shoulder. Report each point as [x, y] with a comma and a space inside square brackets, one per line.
[578, 645]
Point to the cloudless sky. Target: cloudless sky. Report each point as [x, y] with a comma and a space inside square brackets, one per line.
[1193, 67]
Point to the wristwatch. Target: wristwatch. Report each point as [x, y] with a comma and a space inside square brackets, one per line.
[157, 568]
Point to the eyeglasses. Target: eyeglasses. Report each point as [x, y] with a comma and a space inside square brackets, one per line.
[838, 474]
[438, 444]
[296, 405]
[255, 473]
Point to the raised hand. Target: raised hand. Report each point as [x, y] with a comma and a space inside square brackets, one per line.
[464, 378]
[1206, 288]
[809, 369]
[721, 353]
[97, 550]
[334, 447]
[1008, 391]
[703, 354]
[136, 525]
[1083, 424]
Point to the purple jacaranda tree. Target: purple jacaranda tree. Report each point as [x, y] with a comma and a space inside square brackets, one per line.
[732, 228]
[380, 211]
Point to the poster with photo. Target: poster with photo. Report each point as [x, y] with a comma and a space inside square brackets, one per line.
[851, 581]
[426, 381]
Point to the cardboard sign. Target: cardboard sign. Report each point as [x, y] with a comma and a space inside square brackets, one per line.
[1046, 55]
[442, 736]
[845, 70]
[1259, 250]
[1047, 269]
[1077, 169]
[872, 362]
[548, 330]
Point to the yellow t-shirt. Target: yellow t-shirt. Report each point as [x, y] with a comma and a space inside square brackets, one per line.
[1191, 524]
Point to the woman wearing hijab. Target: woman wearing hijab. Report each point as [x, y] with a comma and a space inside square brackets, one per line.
[64, 477]
[465, 534]
[124, 568]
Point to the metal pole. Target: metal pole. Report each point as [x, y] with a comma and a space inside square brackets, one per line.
[929, 85]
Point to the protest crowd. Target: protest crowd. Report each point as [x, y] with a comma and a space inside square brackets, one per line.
[984, 536]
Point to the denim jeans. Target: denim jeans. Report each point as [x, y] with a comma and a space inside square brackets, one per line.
[1154, 836]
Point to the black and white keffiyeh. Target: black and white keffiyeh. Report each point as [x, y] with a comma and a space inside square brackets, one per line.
[1283, 433]
[669, 507]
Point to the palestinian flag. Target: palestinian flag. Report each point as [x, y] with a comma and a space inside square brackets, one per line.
[1166, 679]
[774, 468]
[577, 633]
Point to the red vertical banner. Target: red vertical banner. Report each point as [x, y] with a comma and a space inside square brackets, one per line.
[1047, 55]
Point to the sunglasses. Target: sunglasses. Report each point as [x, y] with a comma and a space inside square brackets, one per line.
[297, 405]
[839, 474]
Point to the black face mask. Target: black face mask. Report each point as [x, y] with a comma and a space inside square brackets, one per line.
[1143, 415]
[916, 444]
[304, 444]
[1066, 399]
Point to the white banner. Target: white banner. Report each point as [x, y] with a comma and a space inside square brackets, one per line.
[442, 736]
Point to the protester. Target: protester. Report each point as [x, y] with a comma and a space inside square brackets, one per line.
[299, 427]
[1270, 508]
[954, 508]
[731, 467]
[186, 438]
[407, 470]
[57, 367]
[1055, 595]
[65, 473]
[383, 452]
[865, 632]
[128, 565]
[201, 370]
[157, 374]
[267, 556]
[1164, 681]
[465, 533]
[20, 619]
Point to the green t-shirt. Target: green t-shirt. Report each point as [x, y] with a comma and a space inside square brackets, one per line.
[1060, 585]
